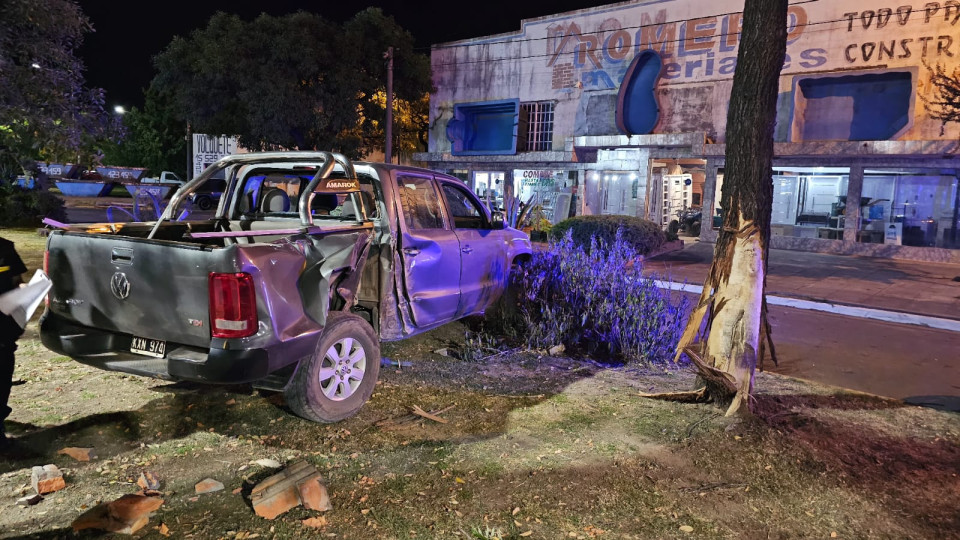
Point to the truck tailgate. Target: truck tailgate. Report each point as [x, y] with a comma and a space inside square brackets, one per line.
[147, 288]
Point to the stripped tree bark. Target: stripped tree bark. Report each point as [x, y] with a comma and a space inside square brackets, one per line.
[733, 303]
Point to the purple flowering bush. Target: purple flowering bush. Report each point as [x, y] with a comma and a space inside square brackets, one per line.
[595, 299]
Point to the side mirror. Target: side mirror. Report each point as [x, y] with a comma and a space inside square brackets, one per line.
[496, 220]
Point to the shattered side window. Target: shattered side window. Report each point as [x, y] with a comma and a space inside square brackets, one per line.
[466, 214]
[420, 203]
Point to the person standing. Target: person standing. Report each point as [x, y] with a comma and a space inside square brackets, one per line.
[11, 268]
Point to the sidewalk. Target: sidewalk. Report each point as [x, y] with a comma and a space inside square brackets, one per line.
[922, 288]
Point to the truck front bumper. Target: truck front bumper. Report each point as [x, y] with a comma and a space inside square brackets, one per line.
[111, 351]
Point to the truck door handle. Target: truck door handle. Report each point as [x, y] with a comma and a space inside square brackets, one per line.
[121, 256]
[413, 252]
[466, 249]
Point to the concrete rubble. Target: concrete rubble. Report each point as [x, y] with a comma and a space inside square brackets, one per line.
[47, 479]
[29, 500]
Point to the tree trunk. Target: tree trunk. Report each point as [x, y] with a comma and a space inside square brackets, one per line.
[733, 300]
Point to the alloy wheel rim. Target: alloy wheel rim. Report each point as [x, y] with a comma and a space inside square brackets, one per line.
[342, 369]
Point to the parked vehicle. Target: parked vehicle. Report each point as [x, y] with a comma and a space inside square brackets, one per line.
[207, 195]
[690, 219]
[309, 262]
[166, 177]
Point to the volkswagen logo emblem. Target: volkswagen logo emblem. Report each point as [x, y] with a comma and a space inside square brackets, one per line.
[120, 285]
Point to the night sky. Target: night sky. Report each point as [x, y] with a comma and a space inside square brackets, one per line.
[118, 55]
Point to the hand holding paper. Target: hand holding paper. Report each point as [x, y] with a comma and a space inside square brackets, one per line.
[20, 303]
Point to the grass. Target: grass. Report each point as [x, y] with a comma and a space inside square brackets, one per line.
[593, 460]
[29, 245]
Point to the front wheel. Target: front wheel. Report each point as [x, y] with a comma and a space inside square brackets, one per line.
[340, 377]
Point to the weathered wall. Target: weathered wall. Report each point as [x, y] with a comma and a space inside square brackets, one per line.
[486, 70]
[578, 60]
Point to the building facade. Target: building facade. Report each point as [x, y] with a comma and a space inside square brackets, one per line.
[622, 109]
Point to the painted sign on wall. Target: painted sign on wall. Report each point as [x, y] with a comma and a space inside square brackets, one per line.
[593, 51]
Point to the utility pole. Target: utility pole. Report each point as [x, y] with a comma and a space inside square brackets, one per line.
[189, 140]
[388, 151]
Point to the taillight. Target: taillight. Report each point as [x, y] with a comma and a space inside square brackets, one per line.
[233, 305]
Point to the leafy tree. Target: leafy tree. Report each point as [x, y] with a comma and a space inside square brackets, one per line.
[944, 102]
[733, 300]
[411, 81]
[411, 122]
[296, 81]
[155, 137]
[46, 113]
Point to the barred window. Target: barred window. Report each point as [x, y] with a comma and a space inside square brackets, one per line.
[535, 132]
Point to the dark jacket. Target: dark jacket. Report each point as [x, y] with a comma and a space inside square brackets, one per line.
[11, 267]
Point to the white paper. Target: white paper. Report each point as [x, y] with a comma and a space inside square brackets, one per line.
[20, 303]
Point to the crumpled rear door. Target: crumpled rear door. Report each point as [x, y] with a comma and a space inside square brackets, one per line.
[430, 252]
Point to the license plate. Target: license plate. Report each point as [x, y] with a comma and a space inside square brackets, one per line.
[148, 347]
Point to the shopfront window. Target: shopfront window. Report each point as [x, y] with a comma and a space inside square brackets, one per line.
[808, 202]
[551, 189]
[489, 187]
[910, 207]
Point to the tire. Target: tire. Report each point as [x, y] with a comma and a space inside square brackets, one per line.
[328, 399]
[204, 203]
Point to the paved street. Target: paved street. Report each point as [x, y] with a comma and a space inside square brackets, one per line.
[889, 359]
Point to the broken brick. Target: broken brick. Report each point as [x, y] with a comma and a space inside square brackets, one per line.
[313, 494]
[47, 479]
[131, 507]
[300, 483]
[208, 485]
[318, 522]
[126, 515]
[79, 454]
[149, 481]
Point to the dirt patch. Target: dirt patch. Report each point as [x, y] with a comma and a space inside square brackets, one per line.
[557, 447]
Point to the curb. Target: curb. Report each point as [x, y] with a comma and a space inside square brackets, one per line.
[837, 308]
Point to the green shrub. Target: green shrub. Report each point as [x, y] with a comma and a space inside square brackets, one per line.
[597, 299]
[27, 207]
[642, 235]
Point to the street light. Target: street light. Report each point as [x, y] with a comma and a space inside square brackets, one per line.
[119, 109]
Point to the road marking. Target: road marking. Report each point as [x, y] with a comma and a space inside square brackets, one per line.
[839, 309]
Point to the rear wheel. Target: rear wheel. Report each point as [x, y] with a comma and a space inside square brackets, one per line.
[204, 202]
[340, 377]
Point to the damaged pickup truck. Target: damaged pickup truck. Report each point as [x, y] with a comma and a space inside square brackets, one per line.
[308, 263]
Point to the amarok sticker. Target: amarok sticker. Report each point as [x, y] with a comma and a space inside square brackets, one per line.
[339, 185]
